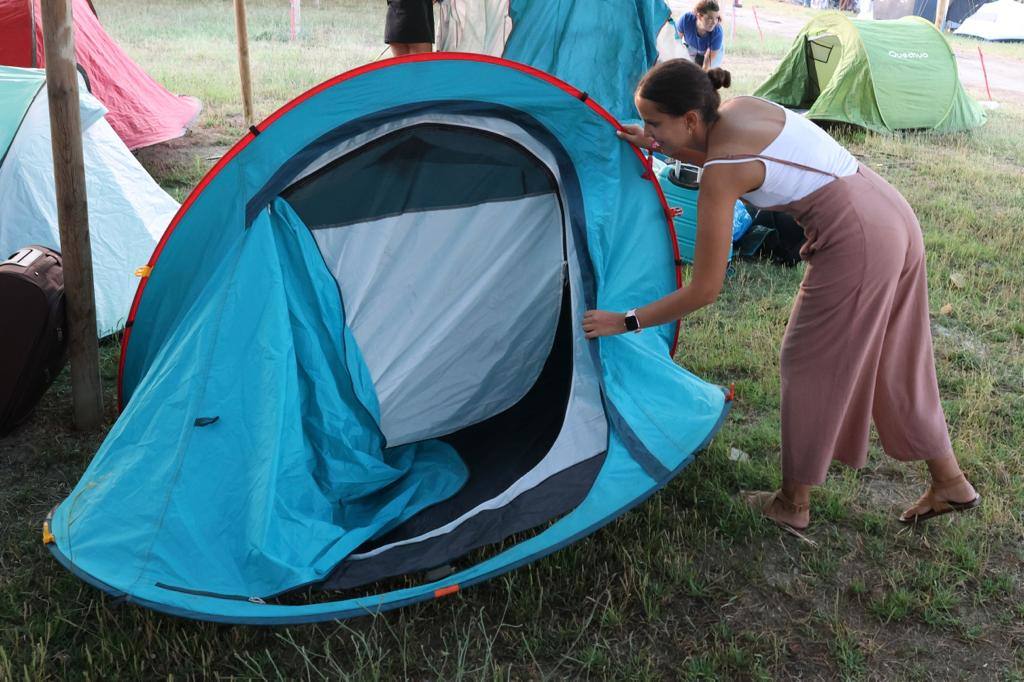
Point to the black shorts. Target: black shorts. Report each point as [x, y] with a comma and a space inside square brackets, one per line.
[409, 21]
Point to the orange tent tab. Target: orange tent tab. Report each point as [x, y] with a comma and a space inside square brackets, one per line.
[445, 591]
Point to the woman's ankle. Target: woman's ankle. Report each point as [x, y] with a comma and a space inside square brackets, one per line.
[797, 493]
[944, 470]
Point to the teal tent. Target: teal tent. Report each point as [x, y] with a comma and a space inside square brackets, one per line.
[358, 355]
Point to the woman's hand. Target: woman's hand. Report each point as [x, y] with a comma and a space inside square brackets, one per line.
[634, 134]
[603, 323]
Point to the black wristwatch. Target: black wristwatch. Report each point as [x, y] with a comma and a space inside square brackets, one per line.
[632, 324]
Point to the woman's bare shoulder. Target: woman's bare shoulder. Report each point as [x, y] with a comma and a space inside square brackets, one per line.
[746, 126]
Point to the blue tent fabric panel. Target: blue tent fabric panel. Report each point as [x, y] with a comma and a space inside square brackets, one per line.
[670, 409]
[288, 475]
[601, 47]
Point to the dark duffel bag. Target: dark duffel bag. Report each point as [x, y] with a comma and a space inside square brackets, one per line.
[33, 343]
[773, 235]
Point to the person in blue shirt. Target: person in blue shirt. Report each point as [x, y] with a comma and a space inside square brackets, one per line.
[702, 31]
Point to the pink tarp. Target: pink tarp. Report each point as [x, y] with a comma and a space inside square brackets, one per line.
[140, 109]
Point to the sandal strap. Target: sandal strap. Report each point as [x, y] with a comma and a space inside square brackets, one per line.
[927, 500]
[927, 504]
[789, 504]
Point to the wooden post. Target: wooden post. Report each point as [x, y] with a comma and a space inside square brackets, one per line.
[243, 60]
[941, 7]
[72, 212]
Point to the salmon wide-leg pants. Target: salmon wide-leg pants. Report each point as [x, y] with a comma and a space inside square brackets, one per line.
[858, 344]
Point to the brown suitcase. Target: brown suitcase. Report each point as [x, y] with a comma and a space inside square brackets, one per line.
[33, 343]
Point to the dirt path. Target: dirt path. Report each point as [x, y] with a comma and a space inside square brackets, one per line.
[1005, 76]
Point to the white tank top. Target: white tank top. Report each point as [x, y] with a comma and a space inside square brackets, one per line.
[819, 160]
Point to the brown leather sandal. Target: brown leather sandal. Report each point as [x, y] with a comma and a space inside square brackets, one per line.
[762, 501]
[934, 507]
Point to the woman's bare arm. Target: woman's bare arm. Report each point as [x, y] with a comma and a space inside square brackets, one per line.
[721, 186]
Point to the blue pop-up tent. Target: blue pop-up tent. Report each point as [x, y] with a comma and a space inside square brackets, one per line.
[358, 353]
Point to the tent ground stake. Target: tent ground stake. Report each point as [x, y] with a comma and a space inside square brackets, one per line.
[984, 72]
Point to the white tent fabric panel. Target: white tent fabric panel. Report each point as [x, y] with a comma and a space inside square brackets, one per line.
[584, 432]
[454, 310]
[1000, 20]
[128, 211]
[670, 44]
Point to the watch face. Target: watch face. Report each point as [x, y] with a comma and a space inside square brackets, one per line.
[631, 323]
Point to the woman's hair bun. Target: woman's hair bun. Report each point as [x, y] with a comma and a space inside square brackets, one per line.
[720, 78]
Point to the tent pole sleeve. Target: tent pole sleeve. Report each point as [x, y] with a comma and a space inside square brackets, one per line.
[72, 212]
[243, 60]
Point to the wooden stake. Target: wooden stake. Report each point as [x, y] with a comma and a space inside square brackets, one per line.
[72, 212]
[243, 61]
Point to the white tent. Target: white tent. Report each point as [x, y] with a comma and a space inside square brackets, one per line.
[481, 27]
[128, 211]
[1001, 20]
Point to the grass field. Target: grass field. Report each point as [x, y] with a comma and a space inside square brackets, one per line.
[688, 586]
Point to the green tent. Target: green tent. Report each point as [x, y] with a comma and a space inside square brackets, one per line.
[881, 75]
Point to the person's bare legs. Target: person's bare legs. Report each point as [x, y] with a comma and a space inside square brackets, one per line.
[402, 49]
[792, 506]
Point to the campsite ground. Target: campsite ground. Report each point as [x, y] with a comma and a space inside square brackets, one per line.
[783, 20]
[689, 585]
